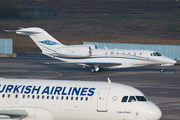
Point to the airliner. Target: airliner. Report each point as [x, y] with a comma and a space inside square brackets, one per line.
[89, 55]
[32, 99]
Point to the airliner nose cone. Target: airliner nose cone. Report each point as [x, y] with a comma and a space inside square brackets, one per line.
[154, 113]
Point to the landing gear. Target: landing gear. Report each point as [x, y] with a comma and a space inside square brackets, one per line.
[162, 70]
[95, 69]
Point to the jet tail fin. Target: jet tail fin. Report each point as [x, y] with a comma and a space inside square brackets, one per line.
[43, 40]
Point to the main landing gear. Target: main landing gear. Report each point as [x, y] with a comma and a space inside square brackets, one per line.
[95, 69]
[162, 70]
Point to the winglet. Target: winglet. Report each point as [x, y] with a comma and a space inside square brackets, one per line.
[109, 81]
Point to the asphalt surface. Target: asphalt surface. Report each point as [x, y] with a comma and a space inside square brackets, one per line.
[161, 88]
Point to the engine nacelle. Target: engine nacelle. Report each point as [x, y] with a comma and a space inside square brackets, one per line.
[75, 51]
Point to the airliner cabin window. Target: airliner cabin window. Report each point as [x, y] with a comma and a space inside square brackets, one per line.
[57, 97]
[16, 96]
[106, 53]
[81, 98]
[38, 97]
[23, 96]
[52, 97]
[47, 97]
[141, 98]
[8, 95]
[140, 54]
[86, 98]
[3, 95]
[33, 97]
[76, 98]
[129, 53]
[72, 98]
[124, 99]
[132, 99]
[28, 96]
[66, 97]
[62, 97]
[43, 97]
[134, 54]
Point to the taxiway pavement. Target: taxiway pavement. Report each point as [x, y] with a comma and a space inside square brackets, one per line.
[161, 88]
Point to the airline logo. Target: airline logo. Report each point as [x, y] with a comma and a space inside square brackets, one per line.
[49, 90]
[49, 42]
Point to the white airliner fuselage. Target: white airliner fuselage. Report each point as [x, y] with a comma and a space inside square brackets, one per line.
[73, 100]
[89, 55]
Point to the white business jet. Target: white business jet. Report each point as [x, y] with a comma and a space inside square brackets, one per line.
[89, 55]
[73, 100]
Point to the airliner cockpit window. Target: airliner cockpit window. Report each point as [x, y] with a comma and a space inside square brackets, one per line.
[132, 99]
[124, 99]
[141, 98]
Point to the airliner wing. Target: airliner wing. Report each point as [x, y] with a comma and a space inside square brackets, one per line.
[88, 63]
[11, 114]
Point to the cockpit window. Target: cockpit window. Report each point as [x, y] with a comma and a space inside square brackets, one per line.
[124, 99]
[156, 54]
[132, 99]
[141, 98]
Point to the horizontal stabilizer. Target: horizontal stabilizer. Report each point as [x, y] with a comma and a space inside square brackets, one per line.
[23, 32]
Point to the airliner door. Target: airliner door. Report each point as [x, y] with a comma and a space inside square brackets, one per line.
[102, 100]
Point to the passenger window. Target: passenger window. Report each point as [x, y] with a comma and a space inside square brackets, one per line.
[123, 53]
[23, 96]
[16, 96]
[124, 99]
[28, 96]
[72, 98]
[66, 97]
[33, 97]
[81, 98]
[140, 54]
[134, 54]
[62, 97]
[141, 98]
[132, 99]
[106, 53]
[129, 53]
[52, 97]
[57, 97]
[38, 97]
[117, 53]
[3, 95]
[8, 95]
[47, 97]
[43, 97]
[86, 98]
[76, 98]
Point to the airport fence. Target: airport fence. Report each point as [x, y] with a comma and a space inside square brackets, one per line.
[171, 51]
[6, 46]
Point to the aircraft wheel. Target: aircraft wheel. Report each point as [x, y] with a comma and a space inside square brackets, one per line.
[92, 69]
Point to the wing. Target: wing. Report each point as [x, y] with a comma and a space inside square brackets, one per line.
[12, 114]
[104, 64]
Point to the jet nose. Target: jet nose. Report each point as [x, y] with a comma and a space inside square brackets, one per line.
[153, 113]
